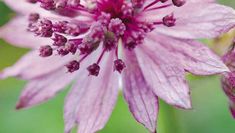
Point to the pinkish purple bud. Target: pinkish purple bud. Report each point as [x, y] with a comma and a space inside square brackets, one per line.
[127, 9]
[178, 3]
[73, 66]
[119, 65]
[169, 20]
[44, 28]
[59, 40]
[94, 69]
[33, 17]
[45, 51]
[117, 27]
[63, 51]
[48, 4]
[60, 26]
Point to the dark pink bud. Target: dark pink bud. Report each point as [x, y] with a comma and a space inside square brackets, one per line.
[94, 69]
[119, 65]
[33, 17]
[127, 9]
[117, 27]
[44, 28]
[45, 51]
[178, 3]
[63, 51]
[169, 20]
[47, 4]
[60, 26]
[59, 40]
[73, 66]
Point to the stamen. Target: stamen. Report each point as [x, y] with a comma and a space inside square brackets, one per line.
[117, 27]
[178, 3]
[45, 51]
[137, 3]
[59, 40]
[73, 66]
[94, 69]
[127, 9]
[33, 17]
[119, 65]
[62, 51]
[160, 7]
[151, 4]
[169, 20]
[47, 4]
[110, 41]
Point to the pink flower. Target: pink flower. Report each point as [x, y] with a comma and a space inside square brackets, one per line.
[151, 44]
[228, 79]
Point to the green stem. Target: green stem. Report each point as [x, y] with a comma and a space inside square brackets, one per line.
[167, 121]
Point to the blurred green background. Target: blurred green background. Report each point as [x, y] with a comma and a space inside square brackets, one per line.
[209, 114]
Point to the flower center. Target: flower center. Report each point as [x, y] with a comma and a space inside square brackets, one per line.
[110, 22]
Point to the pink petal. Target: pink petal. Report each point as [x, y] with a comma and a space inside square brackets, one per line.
[143, 103]
[164, 74]
[24, 7]
[194, 56]
[43, 88]
[92, 99]
[32, 65]
[193, 22]
[15, 32]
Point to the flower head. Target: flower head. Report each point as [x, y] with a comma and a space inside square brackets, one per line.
[150, 44]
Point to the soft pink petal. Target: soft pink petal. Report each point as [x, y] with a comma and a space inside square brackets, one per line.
[143, 103]
[43, 88]
[92, 99]
[32, 65]
[193, 22]
[164, 74]
[228, 85]
[194, 56]
[15, 32]
[24, 7]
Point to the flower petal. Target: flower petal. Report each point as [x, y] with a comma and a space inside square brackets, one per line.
[43, 88]
[32, 65]
[24, 7]
[228, 85]
[143, 103]
[15, 32]
[164, 74]
[92, 99]
[194, 56]
[193, 23]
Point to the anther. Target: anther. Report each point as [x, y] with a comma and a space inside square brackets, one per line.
[45, 51]
[178, 3]
[59, 40]
[169, 20]
[94, 69]
[119, 65]
[73, 66]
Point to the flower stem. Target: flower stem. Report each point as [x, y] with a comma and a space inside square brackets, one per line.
[168, 122]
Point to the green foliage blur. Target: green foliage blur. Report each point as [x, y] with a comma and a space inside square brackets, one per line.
[209, 114]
